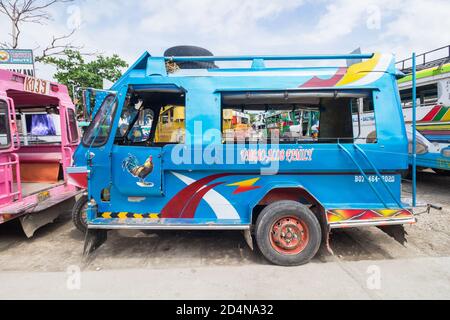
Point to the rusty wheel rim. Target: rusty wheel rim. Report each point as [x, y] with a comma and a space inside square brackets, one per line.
[289, 235]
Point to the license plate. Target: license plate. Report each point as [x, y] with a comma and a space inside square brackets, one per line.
[42, 196]
[35, 85]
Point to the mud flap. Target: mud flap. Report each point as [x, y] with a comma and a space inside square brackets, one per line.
[33, 221]
[93, 240]
[248, 238]
[397, 232]
[326, 239]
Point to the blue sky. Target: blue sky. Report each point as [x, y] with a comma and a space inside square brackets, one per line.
[229, 27]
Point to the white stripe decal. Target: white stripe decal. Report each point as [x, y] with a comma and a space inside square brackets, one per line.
[276, 73]
[222, 208]
[376, 73]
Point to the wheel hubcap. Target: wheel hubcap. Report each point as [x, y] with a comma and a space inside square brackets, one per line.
[289, 235]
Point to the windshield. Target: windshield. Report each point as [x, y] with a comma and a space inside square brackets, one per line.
[4, 126]
[98, 131]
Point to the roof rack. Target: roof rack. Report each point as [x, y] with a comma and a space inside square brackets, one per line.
[430, 59]
[271, 58]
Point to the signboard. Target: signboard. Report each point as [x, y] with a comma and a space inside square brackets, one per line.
[17, 60]
[35, 85]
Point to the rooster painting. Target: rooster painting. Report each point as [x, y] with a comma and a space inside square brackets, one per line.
[131, 165]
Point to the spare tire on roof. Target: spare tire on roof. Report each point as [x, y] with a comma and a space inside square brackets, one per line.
[191, 51]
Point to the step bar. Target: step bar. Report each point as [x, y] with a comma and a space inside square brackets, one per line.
[372, 223]
[156, 226]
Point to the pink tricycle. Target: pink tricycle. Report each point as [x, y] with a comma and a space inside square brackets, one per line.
[38, 135]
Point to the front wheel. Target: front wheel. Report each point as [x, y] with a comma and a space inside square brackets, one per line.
[79, 214]
[288, 233]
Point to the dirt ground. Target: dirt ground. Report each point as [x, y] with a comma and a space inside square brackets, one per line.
[59, 245]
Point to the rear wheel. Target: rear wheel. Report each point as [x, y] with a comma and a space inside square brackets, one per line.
[407, 174]
[79, 214]
[442, 172]
[288, 233]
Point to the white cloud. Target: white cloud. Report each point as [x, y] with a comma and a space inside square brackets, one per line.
[212, 17]
[422, 26]
[248, 26]
[339, 19]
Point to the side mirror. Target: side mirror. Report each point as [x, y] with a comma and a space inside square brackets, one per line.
[87, 108]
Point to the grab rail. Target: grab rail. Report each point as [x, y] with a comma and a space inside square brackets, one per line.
[434, 61]
[363, 174]
[12, 117]
[271, 58]
[17, 193]
[378, 174]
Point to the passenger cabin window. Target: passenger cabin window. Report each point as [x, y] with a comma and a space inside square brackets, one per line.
[291, 117]
[72, 126]
[97, 133]
[173, 128]
[426, 96]
[38, 125]
[364, 125]
[152, 117]
[4, 126]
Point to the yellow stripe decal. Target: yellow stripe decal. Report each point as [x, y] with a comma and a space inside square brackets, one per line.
[106, 215]
[129, 215]
[435, 127]
[446, 116]
[359, 70]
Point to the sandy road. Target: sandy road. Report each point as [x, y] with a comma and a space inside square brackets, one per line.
[171, 260]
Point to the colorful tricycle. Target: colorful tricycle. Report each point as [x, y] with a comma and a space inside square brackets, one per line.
[160, 152]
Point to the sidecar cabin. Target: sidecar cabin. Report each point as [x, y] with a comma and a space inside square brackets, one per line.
[181, 142]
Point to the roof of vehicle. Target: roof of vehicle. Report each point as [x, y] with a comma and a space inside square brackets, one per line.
[14, 85]
[426, 73]
[258, 76]
[428, 64]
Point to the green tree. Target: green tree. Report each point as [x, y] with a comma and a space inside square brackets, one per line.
[75, 72]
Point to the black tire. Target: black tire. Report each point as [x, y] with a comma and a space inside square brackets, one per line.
[407, 174]
[273, 213]
[191, 51]
[78, 216]
[442, 172]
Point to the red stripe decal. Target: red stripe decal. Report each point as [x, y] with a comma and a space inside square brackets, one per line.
[191, 208]
[430, 116]
[176, 205]
[316, 82]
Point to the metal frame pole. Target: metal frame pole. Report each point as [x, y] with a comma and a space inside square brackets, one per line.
[414, 135]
